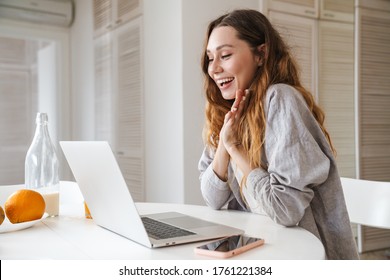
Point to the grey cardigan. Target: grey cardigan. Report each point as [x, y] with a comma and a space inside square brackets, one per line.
[301, 185]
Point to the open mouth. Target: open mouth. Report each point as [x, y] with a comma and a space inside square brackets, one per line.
[225, 82]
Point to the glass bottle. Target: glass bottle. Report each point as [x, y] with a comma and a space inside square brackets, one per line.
[41, 166]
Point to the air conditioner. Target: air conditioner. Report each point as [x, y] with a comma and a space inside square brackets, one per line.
[48, 12]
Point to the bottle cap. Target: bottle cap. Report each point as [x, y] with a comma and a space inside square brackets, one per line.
[42, 118]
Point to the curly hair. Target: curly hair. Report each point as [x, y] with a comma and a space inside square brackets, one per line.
[278, 67]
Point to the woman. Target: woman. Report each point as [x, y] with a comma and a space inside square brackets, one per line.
[267, 150]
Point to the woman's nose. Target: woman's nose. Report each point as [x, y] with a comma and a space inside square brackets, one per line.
[215, 67]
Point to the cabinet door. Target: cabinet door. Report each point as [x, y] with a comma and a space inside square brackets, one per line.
[336, 90]
[110, 14]
[299, 34]
[126, 10]
[373, 67]
[119, 100]
[129, 132]
[307, 8]
[102, 16]
[337, 10]
[373, 72]
[104, 89]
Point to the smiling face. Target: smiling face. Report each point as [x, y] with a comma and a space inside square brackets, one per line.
[232, 63]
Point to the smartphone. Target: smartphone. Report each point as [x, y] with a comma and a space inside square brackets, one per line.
[229, 246]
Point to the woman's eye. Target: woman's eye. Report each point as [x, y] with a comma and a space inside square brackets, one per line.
[226, 56]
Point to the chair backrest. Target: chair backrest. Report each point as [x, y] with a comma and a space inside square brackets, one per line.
[368, 202]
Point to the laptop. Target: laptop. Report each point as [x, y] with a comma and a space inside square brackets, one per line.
[112, 207]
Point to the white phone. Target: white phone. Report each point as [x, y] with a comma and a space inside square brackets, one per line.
[229, 246]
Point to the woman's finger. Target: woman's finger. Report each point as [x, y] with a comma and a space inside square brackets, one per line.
[228, 116]
[237, 101]
[242, 104]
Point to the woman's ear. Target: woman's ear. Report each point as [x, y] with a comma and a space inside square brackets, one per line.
[262, 54]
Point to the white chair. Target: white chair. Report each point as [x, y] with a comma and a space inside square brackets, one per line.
[368, 204]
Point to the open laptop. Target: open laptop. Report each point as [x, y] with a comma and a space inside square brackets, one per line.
[104, 189]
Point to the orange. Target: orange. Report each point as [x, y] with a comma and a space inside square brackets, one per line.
[2, 216]
[24, 205]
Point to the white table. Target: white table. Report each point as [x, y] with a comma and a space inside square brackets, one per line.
[72, 236]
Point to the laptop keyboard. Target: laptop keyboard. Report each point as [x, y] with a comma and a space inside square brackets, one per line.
[159, 230]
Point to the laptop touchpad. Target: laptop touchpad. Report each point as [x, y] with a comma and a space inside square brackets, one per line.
[187, 222]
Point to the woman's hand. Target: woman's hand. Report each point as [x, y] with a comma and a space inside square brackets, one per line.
[230, 137]
[229, 140]
[229, 132]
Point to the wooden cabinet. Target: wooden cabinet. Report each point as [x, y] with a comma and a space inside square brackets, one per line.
[336, 10]
[349, 76]
[336, 90]
[300, 34]
[373, 72]
[326, 9]
[119, 114]
[104, 88]
[109, 14]
[373, 95]
[324, 50]
[129, 134]
[306, 8]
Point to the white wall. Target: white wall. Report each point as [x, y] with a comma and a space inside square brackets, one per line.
[163, 50]
[82, 74]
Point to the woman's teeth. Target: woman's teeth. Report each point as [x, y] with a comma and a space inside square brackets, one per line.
[224, 81]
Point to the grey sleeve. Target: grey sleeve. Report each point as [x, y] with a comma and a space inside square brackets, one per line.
[215, 192]
[295, 160]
